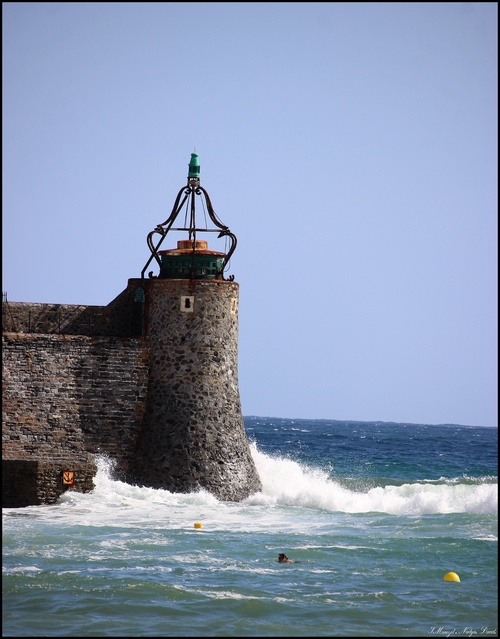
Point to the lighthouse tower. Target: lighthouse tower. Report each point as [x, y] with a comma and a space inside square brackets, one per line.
[192, 434]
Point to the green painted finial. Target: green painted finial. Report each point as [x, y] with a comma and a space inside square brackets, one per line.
[194, 166]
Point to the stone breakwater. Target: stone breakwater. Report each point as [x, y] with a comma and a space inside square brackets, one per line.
[151, 380]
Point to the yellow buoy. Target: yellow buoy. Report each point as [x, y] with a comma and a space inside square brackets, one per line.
[451, 576]
[197, 524]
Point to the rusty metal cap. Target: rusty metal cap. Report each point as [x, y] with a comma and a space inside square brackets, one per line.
[199, 245]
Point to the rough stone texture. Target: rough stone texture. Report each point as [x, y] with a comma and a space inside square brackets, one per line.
[150, 385]
[117, 318]
[32, 483]
[67, 397]
[193, 435]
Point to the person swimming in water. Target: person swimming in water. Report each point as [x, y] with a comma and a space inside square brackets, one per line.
[283, 559]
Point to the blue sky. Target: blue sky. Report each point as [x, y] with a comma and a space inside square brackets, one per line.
[350, 147]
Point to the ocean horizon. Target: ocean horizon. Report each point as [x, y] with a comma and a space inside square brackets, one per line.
[373, 514]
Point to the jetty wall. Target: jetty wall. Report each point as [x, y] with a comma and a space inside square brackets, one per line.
[147, 383]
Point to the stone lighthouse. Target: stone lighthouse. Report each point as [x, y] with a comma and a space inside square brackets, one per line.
[192, 434]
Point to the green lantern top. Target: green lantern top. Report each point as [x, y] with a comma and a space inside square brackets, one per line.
[194, 166]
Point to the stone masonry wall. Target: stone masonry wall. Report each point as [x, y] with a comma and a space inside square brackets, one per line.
[67, 397]
[32, 482]
[117, 318]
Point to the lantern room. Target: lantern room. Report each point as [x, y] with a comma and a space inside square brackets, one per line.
[192, 259]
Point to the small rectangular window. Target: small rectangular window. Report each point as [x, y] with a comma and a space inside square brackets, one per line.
[187, 303]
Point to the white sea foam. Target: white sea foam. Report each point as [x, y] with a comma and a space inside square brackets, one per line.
[20, 569]
[289, 483]
[285, 483]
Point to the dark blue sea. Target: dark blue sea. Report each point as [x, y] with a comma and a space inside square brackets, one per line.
[374, 514]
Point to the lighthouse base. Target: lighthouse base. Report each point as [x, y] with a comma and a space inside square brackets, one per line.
[192, 434]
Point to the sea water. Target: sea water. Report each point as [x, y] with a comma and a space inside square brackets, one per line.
[374, 515]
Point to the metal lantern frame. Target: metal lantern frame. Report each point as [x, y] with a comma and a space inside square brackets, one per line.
[188, 194]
